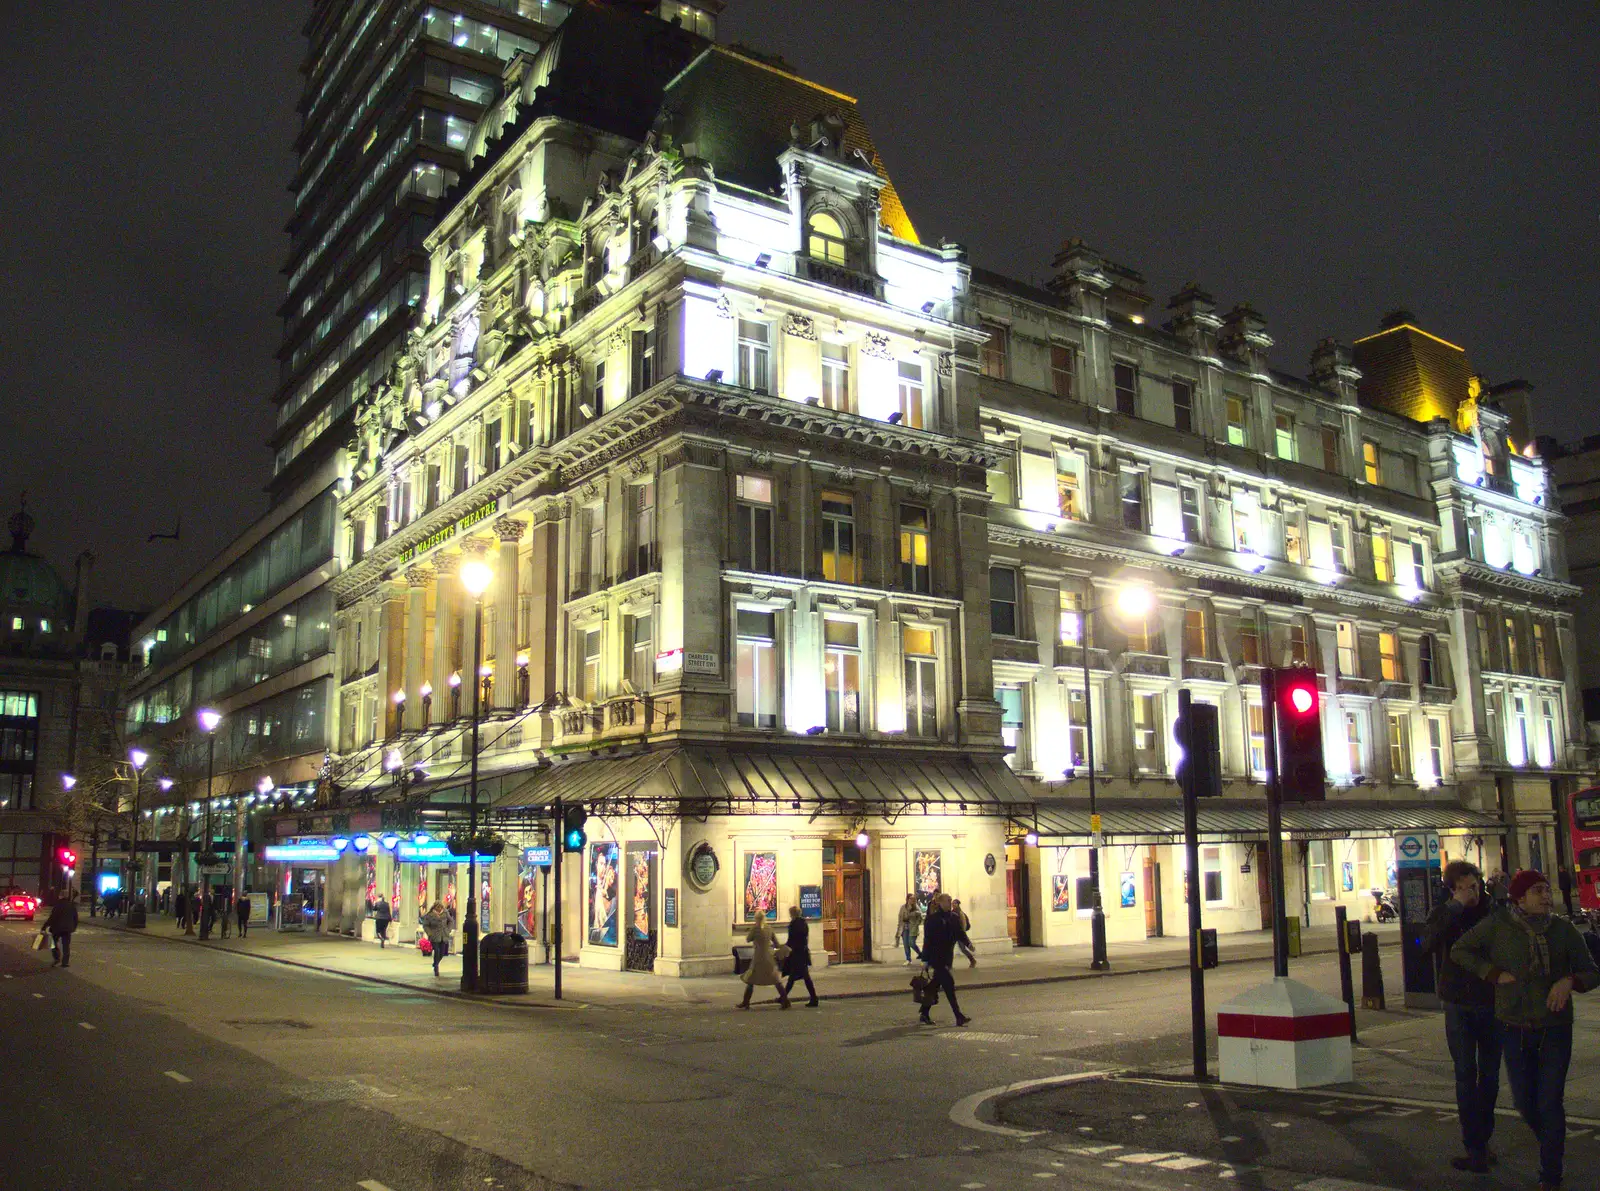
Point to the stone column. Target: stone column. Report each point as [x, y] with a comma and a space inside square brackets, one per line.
[417, 580]
[509, 531]
[391, 653]
[544, 627]
[446, 592]
[471, 548]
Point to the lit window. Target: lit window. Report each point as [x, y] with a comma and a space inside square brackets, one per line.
[1299, 650]
[1011, 723]
[838, 537]
[1125, 381]
[1319, 857]
[1541, 655]
[910, 394]
[1238, 430]
[589, 651]
[825, 240]
[1400, 746]
[1436, 748]
[1353, 742]
[44, 626]
[1077, 728]
[16, 624]
[1196, 638]
[1382, 556]
[836, 376]
[1512, 658]
[1370, 468]
[1071, 617]
[1294, 539]
[915, 569]
[1338, 544]
[1389, 664]
[1547, 712]
[756, 677]
[1349, 658]
[1283, 436]
[1147, 732]
[1069, 486]
[922, 692]
[1249, 639]
[841, 674]
[1258, 740]
[641, 652]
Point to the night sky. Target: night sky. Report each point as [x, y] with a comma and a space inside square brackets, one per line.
[1325, 162]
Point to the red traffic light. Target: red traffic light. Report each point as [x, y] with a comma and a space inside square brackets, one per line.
[1297, 711]
[68, 857]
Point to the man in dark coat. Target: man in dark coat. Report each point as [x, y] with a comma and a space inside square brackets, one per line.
[1469, 1025]
[941, 934]
[1535, 961]
[62, 922]
[798, 965]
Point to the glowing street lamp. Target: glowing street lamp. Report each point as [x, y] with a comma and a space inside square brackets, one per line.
[476, 575]
[1133, 601]
[68, 781]
[138, 759]
[209, 719]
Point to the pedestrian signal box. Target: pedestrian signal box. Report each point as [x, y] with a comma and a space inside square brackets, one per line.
[573, 836]
[1298, 716]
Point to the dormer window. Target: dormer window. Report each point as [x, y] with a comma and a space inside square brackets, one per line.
[826, 240]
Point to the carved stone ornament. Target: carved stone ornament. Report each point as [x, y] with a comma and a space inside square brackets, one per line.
[590, 490]
[638, 465]
[845, 475]
[724, 306]
[878, 345]
[509, 529]
[419, 576]
[922, 488]
[761, 459]
[800, 326]
[945, 363]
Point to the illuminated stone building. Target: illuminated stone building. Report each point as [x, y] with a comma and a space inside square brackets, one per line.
[793, 520]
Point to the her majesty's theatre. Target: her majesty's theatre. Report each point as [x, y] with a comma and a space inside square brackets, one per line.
[807, 540]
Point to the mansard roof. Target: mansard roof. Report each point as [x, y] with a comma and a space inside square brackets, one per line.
[1408, 371]
[739, 114]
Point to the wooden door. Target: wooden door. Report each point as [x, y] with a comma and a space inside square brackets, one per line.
[1014, 898]
[1152, 894]
[844, 901]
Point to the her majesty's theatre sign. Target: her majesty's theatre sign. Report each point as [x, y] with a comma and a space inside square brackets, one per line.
[440, 537]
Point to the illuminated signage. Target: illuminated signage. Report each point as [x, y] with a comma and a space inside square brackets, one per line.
[433, 852]
[539, 856]
[441, 536]
[301, 853]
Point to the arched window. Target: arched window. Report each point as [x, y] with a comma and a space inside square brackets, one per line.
[825, 239]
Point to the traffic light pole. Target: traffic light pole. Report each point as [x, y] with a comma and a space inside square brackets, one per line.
[1191, 851]
[1275, 875]
[558, 837]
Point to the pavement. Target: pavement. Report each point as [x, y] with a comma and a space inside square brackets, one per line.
[174, 1065]
[401, 964]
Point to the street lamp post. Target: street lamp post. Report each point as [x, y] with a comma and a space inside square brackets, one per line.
[475, 577]
[137, 758]
[1130, 601]
[208, 721]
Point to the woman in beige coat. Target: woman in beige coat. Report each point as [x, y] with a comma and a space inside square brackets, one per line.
[763, 967]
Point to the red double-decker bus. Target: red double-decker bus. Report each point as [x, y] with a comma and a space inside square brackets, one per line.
[1583, 824]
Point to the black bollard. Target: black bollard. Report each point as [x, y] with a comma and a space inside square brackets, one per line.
[1371, 974]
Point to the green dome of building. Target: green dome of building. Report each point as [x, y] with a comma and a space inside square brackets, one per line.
[33, 598]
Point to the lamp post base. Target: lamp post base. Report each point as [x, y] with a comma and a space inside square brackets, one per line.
[1097, 935]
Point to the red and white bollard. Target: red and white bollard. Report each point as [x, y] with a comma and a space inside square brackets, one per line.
[1284, 1035]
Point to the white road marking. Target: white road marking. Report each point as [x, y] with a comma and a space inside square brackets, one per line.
[177, 1077]
[371, 1185]
[83, 1025]
[39, 996]
[1148, 1159]
[965, 1111]
[1183, 1162]
[973, 1186]
[1340, 1185]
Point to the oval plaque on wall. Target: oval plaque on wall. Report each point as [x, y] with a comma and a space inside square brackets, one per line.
[701, 866]
[988, 864]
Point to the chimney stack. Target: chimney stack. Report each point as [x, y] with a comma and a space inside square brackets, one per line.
[80, 598]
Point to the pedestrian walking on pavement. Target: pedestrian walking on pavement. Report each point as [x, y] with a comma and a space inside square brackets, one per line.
[223, 912]
[763, 967]
[180, 908]
[436, 929]
[1535, 961]
[908, 924]
[62, 922]
[381, 917]
[797, 965]
[941, 934]
[1470, 1028]
[966, 925]
[241, 909]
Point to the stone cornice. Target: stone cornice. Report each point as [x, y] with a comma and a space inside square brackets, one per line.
[1465, 575]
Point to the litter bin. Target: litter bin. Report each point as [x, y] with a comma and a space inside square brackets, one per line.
[743, 957]
[502, 963]
[136, 915]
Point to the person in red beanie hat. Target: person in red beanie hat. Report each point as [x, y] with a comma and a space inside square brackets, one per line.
[1535, 961]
